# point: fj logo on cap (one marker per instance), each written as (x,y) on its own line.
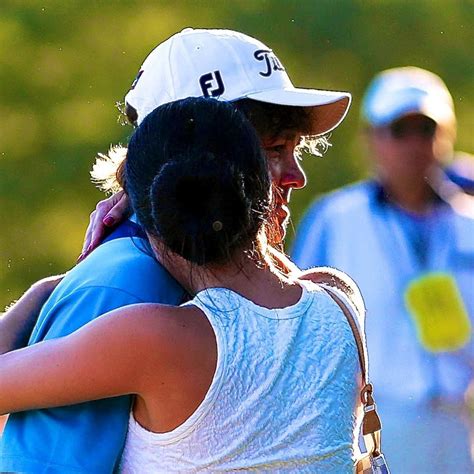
(272,63)
(212,84)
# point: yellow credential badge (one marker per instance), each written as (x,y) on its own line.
(437,308)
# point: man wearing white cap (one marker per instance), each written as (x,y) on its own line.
(222,64)
(412,254)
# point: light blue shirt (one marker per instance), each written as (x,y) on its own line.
(383,248)
(89,437)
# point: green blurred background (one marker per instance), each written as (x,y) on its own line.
(65,63)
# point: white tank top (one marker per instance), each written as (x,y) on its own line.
(282,398)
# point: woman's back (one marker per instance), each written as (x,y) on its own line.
(282,397)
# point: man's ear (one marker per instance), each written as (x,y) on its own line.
(131,114)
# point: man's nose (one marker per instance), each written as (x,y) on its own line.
(293,175)
(419,143)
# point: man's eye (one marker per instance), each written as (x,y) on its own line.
(276,149)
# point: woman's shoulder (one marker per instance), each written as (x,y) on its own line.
(165,341)
(173,329)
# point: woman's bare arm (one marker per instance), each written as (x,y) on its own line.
(140,349)
(98,361)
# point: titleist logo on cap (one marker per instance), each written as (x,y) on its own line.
(212,83)
(272,63)
(227,65)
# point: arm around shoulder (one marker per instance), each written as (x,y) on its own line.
(111,356)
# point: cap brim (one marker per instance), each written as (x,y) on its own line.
(398,105)
(328,107)
(441,115)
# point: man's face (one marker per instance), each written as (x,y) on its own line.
(404,150)
(285,171)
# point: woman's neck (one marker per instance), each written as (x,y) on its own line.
(256,281)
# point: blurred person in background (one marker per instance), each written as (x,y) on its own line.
(223,64)
(412,253)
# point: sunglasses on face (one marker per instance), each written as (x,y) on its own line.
(402,129)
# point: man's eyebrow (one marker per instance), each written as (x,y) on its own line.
(290,135)
(284,135)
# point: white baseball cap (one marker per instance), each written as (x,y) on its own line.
(229,66)
(398,92)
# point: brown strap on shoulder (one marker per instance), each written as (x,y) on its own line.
(355,331)
(371,424)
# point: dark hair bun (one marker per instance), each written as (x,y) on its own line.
(200,209)
(198,180)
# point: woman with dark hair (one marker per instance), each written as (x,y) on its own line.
(257,371)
